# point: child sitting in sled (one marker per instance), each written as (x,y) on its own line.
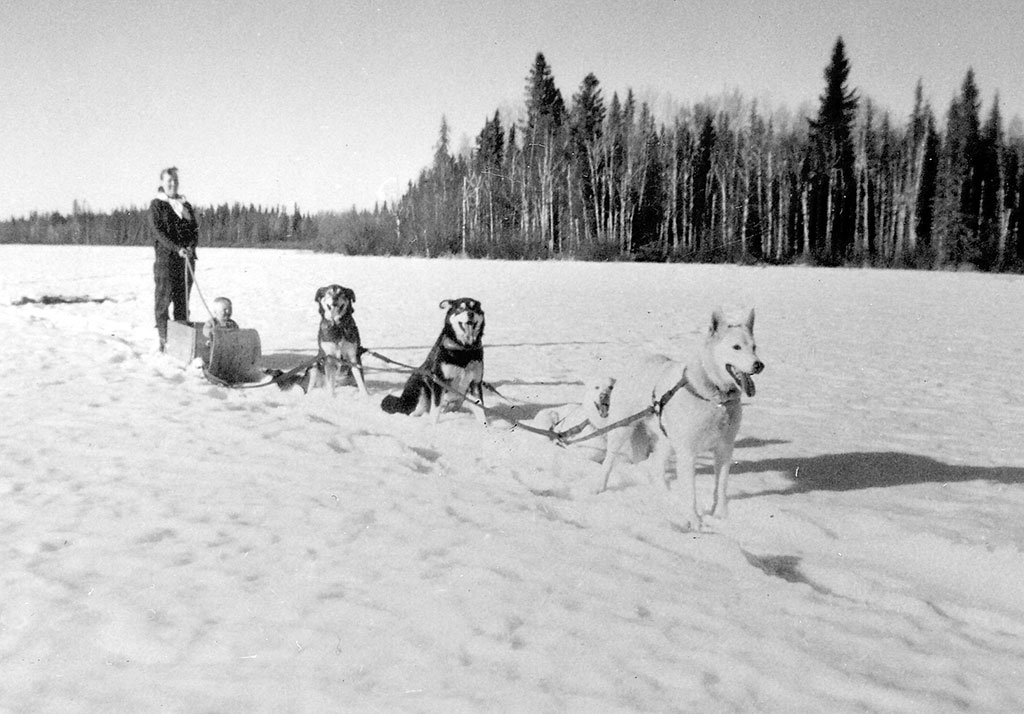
(221,318)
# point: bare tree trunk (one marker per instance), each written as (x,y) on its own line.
(829,216)
(726,223)
(772,245)
(806,211)
(745,214)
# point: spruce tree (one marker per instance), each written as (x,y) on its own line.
(586,120)
(544,151)
(956,200)
(545,108)
(991,199)
(831,164)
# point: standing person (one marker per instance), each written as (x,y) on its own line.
(177,234)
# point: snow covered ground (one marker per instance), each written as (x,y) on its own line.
(172,546)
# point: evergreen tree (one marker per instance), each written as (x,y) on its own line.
(586,119)
(490,201)
(545,109)
(991,199)
(703,187)
(956,200)
(831,166)
(544,151)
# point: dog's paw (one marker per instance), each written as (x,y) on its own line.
(691,523)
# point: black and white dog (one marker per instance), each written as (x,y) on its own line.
(455,366)
(338,338)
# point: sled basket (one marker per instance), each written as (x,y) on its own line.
(231,355)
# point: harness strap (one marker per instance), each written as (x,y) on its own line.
(656,407)
(574,430)
(683,383)
(659,404)
(605,429)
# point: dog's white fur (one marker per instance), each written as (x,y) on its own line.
(719,371)
(592,410)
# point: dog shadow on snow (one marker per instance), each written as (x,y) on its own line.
(850,472)
(860,470)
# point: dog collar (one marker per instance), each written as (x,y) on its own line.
(727,397)
(659,403)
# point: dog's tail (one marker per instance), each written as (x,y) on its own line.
(393,405)
(408,401)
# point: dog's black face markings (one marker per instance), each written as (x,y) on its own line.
(464,320)
(335,302)
(456,360)
(338,335)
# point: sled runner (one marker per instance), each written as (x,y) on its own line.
(230,357)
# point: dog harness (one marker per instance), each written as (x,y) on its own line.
(569,433)
(658,405)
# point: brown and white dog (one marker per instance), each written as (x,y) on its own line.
(338,338)
(454,367)
(700,409)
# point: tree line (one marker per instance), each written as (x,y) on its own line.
(598,179)
(604,180)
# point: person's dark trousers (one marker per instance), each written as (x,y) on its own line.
(169,276)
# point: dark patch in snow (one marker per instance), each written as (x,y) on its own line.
(59,300)
(752,442)
(337,448)
(426,454)
(786,567)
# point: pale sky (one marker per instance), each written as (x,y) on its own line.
(335,104)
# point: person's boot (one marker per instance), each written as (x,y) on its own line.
(162,334)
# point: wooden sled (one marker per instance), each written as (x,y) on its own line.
(230,358)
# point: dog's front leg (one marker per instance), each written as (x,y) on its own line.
(477,407)
(331,373)
(435,398)
(686,485)
(316,376)
(658,463)
(357,373)
(615,440)
(723,462)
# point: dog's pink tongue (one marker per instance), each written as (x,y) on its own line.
(748,385)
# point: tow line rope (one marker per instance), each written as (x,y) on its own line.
(560,438)
(656,407)
(190,273)
(402,367)
(516,424)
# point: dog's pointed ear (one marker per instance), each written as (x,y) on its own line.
(750,320)
(445,304)
(350,294)
(320,292)
(717,320)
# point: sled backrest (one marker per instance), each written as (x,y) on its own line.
(234,354)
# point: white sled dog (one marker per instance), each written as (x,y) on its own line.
(695,407)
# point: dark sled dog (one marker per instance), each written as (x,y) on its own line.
(454,367)
(338,338)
